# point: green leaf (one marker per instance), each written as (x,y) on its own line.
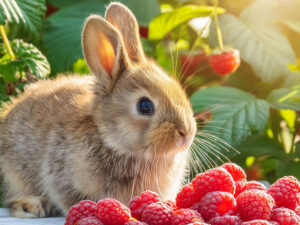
(261,45)
(80,67)
(285,98)
(62,33)
(165,22)
(28,59)
(235,114)
(143,10)
(23,16)
(62,30)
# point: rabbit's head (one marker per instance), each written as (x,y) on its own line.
(138,108)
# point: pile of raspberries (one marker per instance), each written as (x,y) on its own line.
(220,196)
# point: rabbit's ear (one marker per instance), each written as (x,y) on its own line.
(104,50)
(124,20)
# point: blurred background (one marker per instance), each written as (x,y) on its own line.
(238,60)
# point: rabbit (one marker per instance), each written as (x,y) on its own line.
(124,129)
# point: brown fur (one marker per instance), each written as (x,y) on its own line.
(76,138)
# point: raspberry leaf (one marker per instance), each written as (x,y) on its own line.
(23,16)
(235,114)
(285,98)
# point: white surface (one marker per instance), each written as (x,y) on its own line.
(6,219)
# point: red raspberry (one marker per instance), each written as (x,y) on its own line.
(285,216)
(226,220)
(217,204)
(158,214)
(196,207)
(286,192)
(171,204)
(187,197)
(217,179)
(186,216)
(89,221)
(135,223)
(239,186)
(237,173)
(257,222)
(198,223)
(254,185)
(255,204)
(225,62)
(112,212)
(297,210)
(81,210)
(139,203)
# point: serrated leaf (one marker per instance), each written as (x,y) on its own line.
(28,59)
(165,22)
(23,16)
(262,46)
(235,114)
(285,98)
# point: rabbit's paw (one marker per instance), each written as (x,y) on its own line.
(29,207)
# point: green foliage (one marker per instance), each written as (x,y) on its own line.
(285,98)
(236,115)
(62,30)
(25,17)
(257,113)
(28,59)
(164,23)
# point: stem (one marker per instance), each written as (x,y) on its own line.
(218,29)
(6,42)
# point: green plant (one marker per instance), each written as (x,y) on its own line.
(250,117)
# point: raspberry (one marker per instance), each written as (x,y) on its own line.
(81,210)
(254,185)
(112,212)
(236,171)
(217,179)
(226,220)
(196,207)
(239,186)
(257,222)
(135,223)
(217,204)
(285,216)
(255,204)
(226,62)
(286,192)
(171,204)
(197,223)
(297,210)
(158,214)
(139,203)
(187,197)
(186,216)
(89,221)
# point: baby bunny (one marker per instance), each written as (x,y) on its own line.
(124,130)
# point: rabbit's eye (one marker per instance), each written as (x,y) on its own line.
(145,106)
